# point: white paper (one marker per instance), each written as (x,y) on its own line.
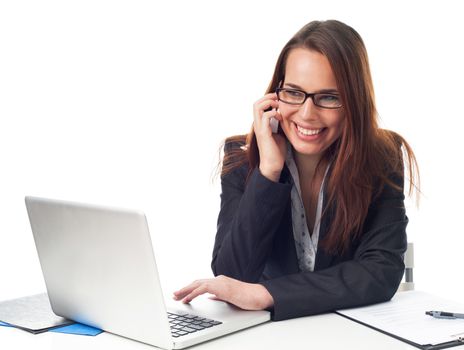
(404,316)
(32,313)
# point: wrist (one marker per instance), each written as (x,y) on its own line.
(271,174)
(265,298)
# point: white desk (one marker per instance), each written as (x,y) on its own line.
(328,331)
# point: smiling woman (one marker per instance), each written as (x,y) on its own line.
(312,218)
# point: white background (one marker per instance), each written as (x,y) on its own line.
(125,103)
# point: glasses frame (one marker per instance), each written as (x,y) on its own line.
(278,90)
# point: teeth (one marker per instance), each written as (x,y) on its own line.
(308,131)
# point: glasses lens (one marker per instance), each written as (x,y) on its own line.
(327,101)
(291,96)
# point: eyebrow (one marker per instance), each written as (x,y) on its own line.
(326,91)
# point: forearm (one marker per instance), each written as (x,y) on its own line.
(246,227)
(372,276)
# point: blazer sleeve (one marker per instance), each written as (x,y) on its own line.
(247,222)
(372,276)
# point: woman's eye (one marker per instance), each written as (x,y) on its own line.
(294,93)
(328,98)
(328,101)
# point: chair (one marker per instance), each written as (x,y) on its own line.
(408,283)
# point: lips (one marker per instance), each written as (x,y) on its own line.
(309,132)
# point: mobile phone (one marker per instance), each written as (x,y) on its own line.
(274,125)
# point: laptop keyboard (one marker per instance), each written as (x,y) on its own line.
(183,323)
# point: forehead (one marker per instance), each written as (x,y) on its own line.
(309,69)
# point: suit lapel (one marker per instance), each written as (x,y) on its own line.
(290,262)
(323,259)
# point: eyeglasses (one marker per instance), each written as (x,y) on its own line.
(298,97)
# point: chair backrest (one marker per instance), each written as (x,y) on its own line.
(408,283)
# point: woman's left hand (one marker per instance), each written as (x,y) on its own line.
(247,296)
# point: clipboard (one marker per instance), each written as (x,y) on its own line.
(404,318)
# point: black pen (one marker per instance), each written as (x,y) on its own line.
(443,314)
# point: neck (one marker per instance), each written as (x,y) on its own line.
(306,164)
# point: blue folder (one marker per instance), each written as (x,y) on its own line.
(75,328)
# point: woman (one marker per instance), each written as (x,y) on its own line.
(312,218)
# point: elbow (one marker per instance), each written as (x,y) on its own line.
(388,285)
(392,287)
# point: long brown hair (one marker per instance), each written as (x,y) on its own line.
(365,157)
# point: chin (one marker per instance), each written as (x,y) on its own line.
(308,151)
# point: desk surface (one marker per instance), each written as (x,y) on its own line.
(329,331)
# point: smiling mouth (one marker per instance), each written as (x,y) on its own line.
(309,132)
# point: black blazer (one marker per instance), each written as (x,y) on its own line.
(254,243)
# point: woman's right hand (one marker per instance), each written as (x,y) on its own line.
(272,147)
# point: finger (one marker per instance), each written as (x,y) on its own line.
(267,123)
(183,292)
(261,119)
(269,114)
(188,289)
(198,291)
(278,115)
(266,104)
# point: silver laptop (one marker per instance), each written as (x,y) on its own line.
(100,270)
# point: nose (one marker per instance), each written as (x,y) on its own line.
(308,109)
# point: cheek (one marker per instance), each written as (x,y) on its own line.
(286,111)
(339,124)
(334,118)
